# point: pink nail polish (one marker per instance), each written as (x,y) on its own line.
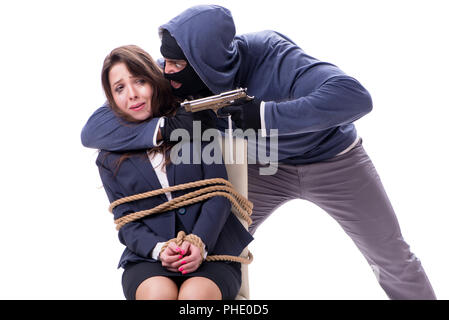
(184,272)
(183,252)
(183,262)
(181,269)
(180,257)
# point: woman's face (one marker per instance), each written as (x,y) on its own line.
(131,94)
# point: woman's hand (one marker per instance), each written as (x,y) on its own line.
(171,257)
(191,260)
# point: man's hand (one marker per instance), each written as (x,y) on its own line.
(245,116)
(184,120)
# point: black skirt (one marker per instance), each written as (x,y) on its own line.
(226,275)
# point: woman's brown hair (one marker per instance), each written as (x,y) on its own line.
(140,64)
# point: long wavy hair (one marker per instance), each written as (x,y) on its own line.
(140,64)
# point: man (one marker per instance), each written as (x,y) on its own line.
(312,105)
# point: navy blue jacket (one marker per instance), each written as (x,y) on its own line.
(211,220)
(311,103)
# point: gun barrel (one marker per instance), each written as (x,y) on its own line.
(215,102)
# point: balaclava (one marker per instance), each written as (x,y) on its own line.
(192,85)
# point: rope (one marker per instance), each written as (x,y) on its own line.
(242,205)
(243,208)
(195,240)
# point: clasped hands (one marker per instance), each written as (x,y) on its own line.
(185,258)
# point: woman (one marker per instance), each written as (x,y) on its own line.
(137,91)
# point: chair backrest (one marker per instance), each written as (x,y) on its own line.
(237,169)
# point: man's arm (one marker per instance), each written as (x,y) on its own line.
(299,94)
(104,130)
(340,100)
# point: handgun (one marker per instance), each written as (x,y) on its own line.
(218,101)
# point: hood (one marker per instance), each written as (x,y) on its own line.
(206,34)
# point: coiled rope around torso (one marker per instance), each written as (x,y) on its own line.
(221,187)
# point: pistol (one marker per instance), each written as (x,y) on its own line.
(218,101)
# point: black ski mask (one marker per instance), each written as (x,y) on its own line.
(192,85)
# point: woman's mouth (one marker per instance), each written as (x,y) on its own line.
(137,106)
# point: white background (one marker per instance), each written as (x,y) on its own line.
(57,238)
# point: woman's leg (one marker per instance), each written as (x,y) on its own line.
(157,288)
(199,288)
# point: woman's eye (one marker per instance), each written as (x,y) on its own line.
(140,81)
(118,89)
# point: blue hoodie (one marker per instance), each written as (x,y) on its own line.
(311,103)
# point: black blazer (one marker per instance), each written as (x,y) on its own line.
(211,220)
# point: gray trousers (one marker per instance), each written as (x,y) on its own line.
(349,189)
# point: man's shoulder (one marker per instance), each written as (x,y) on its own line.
(262,35)
(265,40)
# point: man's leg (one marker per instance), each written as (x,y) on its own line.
(269,192)
(349,189)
